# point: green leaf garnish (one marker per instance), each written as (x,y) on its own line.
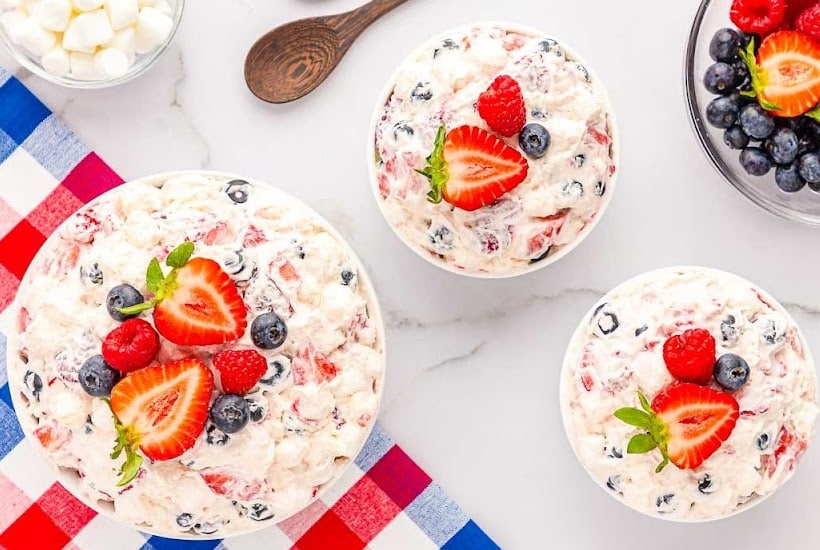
(814,113)
(128,440)
(137,308)
(759,76)
(436,170)
(154,276)
(656,435)
(180,255)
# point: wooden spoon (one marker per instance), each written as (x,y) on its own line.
(291,60)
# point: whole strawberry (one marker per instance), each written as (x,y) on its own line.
(690,356)
(502,106)
(239,370)
(808,22)
(131,346)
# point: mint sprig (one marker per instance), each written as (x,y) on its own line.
(436,170)
(759,76)
(814,113)
(656,433)
(128,441)
(160,284)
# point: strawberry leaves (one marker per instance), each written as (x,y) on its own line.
(160,284)
(436,170)
(759,76)
(127,441)
(656,433)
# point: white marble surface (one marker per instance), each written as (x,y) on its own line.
(474,364)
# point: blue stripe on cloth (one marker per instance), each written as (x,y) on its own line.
(7,146)
(471,537)
(4,76)
(55,147)
(4,377)
(10,432)
(375,448)
(436,514)
(20,111)
(161,543)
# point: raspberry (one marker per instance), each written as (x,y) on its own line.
(239,370)
(808,22)
(758,16)
(793,9)
(690,356)
(131,346)
(502,106)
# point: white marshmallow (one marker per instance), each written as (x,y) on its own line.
(125,40)
(87,5)
(82,66)
(153,27)
(31,6)
(12,22)
(122,12)
(111,63)
(164,7)
(56,62)
(144,3)
(35,38)
(10,3)
(87,31)
(54,15)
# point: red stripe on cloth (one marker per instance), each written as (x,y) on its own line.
(68,513)
(399,477)
(9,217)
(8,288)
(19,247)
(14,502)
(54,209)
(366,509)
(90,178)
(296,526)
(330,529)
(34,530)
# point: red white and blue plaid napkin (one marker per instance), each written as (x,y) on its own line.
(385,501)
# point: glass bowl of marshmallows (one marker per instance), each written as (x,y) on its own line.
(88,43)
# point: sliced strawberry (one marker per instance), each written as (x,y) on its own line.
(52,436)
(470,168)
(165,406)
(204,307)
(686,422)
(226,483)
(786,74)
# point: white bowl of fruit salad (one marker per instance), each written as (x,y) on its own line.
(752,79)
(493,150)
(688,394)
(196,354)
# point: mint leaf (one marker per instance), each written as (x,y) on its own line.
(645,404)
(436,170)
(634,417)
(137,308)
(180,255)
(641,443)
(663,464)
(814,113)
(127,441)
(154,276)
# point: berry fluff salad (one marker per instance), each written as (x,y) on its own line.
(199,355)
(688,394)
(493,150)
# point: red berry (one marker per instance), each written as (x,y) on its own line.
(502,106)
(793,9)
(239,370)
(131,346)
(690,357)
(808,22)
(758,16)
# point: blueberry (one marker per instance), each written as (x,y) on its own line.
(756,121)
(809,167)
(728,330)
(721,112)
(257,512)
(538,113)
(782,145)
(122,296)
(93,274)
(33,383)
(185,520)
(582,70)
(573,189)
(441,238)
(275,372)
(421,92)
(541,256)
(347,276)
(640,330)
(788,178)
(665,503)
(230,412)
(613,482)
(755,161)
(97,377)
(705,485)
(206,528)
(615,452)
(724,45)
(763,440)
(608,323)
(233,262)
(600,188)
(808,134)
(580,159)
(534,140)
(742,80)
(447,44)
(256,409)
(215,436)
(719,78)
(550,45)
(735,137)
(402,127)
(237,191)
(731,371)
(268,331)
(771,331)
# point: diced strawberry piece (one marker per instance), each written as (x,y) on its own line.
(253,236)
(787,75)
(758,16)
(325,370)
(229,485)
(166,405)
(214,234)
(548,230)
(309,365)
(23,319)
(239,370)
(204,308)
(501,105)
(52,436)
(288,272)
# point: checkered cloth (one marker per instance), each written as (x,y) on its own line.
(383,501)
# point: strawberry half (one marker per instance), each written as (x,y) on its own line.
(470,168)
(162,408)
(686,422)
(786,73)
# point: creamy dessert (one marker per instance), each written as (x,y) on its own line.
(493,149)
(231,330)
(688,394)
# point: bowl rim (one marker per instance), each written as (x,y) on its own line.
(696,122)
(385,93)
(139,67)
(69,480)
(565,382)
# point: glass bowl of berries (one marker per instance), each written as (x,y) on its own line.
(752,80)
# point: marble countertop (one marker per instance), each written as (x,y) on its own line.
(474,364)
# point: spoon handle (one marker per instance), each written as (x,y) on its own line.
(350,25)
